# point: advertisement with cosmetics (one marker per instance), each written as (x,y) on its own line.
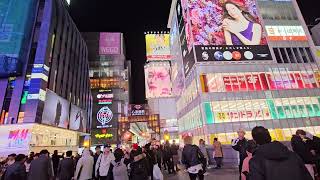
(158,82)
(226,30)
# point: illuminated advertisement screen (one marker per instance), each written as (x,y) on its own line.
(254,81)
(56,110)
(157,79)
(109,43)
(158,47)
(78,119)
(104,136)
(286,33)
(228,30)
(104,115)
(15,28)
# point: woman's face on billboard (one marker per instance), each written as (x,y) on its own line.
(233,11)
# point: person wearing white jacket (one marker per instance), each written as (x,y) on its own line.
(103,170)
(84,166)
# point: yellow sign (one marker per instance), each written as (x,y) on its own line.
(103,136)
(158,47)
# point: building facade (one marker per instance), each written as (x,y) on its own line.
(109,79)
(48,103)
(267,74)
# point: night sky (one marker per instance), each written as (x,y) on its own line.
(133,18)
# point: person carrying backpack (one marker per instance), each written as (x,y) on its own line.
(120,171)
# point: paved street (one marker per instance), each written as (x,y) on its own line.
(222,174)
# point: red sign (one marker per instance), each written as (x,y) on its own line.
(18,134)
(251,82)
(281,81)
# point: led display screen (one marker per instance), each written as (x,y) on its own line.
(56,110)
(15,28)
(78,119)
(158,47)
(109,43)
(228,30)
(158,82)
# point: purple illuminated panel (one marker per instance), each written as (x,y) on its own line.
(109,43)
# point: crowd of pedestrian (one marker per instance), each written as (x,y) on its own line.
(259,159)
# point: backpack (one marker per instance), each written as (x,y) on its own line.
(119,168)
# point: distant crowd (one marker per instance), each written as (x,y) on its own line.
(259,159)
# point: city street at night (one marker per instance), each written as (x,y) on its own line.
(159,90)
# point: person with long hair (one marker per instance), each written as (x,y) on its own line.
(240,27)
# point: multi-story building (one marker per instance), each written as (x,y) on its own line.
(109,79)
(46,101)
(241,64)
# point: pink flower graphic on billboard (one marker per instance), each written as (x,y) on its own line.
(109,43)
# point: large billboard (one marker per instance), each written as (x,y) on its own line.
(157,79)
(109,43)
(158,47)
(56,110)
(78,119)
(15,29)
(225,30)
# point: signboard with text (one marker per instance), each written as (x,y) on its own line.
(109,43)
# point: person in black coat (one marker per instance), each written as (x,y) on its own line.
(138,166)
(240,145)
(274,161)
(17,170)
(55,161)
(66,167)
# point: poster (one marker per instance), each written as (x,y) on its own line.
(158,82)
(56,110)
(109,43)
(78,119)
(226,30)
(158,47)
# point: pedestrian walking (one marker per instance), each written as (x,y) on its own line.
(158,153)
(84,166)
(218,153)
(151,159)
(55,161)
(120,171)
(138,167)
(299,143)
(175,155)
(96,156)
(274,161)
(168,157)
(17,170)
(251,147)
(192,158)
(203,149)
(41,168)
(103,166)
(240,145)
(66,167)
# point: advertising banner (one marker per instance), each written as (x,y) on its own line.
(104,115)
(226,30)
(158,82)
(158,47)
(109,43)
(15,139)
(286,33)
(16,25)
(242,115)
(187,54)
(137,110)
(78,119)
(104,136)
(56,110)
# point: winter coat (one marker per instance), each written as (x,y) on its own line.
(66,169)
(41,169)
(241,147)
(191,155)
(274,161)
(16,171)
(174,149)
(84,166)
(302,149)
(217,149)
(139,168)
(104,165)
